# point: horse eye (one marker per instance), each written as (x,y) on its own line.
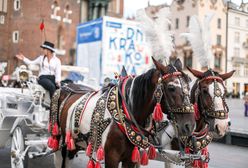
(205,91)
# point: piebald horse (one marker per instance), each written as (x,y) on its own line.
(103,121)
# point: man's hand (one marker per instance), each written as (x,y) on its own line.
(20,56)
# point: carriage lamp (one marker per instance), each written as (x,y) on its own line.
(23,75)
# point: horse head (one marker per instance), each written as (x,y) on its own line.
(175,100)
(209,93)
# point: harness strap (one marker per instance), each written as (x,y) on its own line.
(79,110)
(98,123)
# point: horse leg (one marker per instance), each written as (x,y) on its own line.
(63,153)
(129,164)
(112,159)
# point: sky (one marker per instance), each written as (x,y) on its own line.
(132,5)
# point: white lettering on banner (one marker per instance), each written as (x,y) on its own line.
(126,46)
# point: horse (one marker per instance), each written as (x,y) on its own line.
(211,111)
(111,124)
(211,114)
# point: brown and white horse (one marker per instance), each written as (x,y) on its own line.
(211,114)
(208,96)
(138,97)
(209,92)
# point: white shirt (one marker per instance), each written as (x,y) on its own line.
(47,68)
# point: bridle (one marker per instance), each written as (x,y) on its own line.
(210,111)
(160,91)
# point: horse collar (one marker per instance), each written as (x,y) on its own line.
(199,140)
(118,113)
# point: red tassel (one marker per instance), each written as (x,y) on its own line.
(71,145)
(205,152)
(88,150)
(197,113)
(55,144)
(157,113)
(144,159)
(196,164)
(152,152)
(91,164)
(187,150)
(67,136)
(100,153)
(55,129)
(50,142)
(135,155)
(98,165)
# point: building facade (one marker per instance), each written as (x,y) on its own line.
(20,29)
(93,9)
(181,11)
(237,57)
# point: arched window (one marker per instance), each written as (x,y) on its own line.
(17,5)
(55,8)
(15,36)
(67,13)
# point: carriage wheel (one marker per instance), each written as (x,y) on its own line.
(18,158)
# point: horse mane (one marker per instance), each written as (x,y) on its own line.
(193,90)
(142,90)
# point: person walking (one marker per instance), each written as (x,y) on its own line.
(50,67)
(246,104)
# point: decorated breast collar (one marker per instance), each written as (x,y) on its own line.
(117,112)
(199,141)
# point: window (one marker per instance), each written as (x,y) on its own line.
(237,21)
(67,14)
(217,60)
(177,23)
(15,36)
(17,5)
(55,9)
(236,37)
(3,6)
(218,40)
(219,23)
(188,59)
(188,19)
(236,52)
(2,19)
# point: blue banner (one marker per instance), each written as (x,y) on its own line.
(89,32)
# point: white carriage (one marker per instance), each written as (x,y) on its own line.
(24,115)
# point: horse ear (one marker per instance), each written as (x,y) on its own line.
(196,73)
(227,75)
(123,72)
(178,64)
(158,65)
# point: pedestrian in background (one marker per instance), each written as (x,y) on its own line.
(246,104)
(50,67)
